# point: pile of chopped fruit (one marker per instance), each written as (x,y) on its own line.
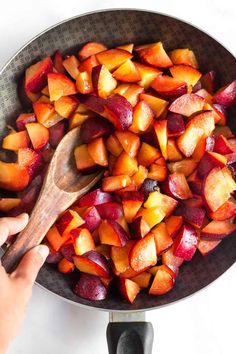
(157,126)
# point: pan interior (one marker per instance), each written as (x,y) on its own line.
(114,28)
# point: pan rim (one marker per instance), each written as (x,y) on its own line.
(48,29)
(103,309)
(2,68)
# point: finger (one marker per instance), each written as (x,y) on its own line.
(10,226)
(30,265)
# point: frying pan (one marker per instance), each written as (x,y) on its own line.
(127,331)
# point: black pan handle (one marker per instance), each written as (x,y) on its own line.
(130,337)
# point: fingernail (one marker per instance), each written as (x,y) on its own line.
(43,250)
(23,215)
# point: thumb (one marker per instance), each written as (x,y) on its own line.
(12,225)
(31,263)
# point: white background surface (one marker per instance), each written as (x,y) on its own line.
(204,323)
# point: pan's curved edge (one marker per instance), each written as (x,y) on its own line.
(90,307)
(105,10)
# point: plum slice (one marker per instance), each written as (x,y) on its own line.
(129,141)
(185,73)
(23,119)
(7,204)
(154,54)
(143,254)
(68,221)
(169,87)
(208,81)
(147,74)
(185,244)
(158,170)
(209,161)
(120,256)
(162,238)
(119,111)
(111,233)
(36,75)
(148,154)
(206,246)
(173,262)
(200,125)
(91,218)
(65,266)
(205,144)
(60,85)
(215,189)
(98,152)
(93,263)
(56,133)
(31,160)
(183,56)
(161,132)
(113,58)
(226,211)
(95,197)
(103,81)
(222,145)
(110,210)
(173,224)
(226,96)
(13,176)
(67,250)
(159,200)
(151,216)
(142,279)
(187,104)
(127,72)
(157,104)
(82,241)
(54,257)
(129,289)
(217,230)
(177,186)
(84,82)
(131,202)
(39,135)
(71,64)
(125,165)
(66,105)
(193,215)
(84,161)
(142,117)
(175,125)
(90,287)
(58,62)
(163,281)
(89,49)
(115,183)
(16,141)
(139,228)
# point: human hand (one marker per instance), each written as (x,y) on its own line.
(16,288)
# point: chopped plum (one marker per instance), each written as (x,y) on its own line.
(95,127)
(185,244)
(90,287)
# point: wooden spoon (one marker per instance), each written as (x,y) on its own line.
(62,186)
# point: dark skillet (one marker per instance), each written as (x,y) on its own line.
(113,28)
